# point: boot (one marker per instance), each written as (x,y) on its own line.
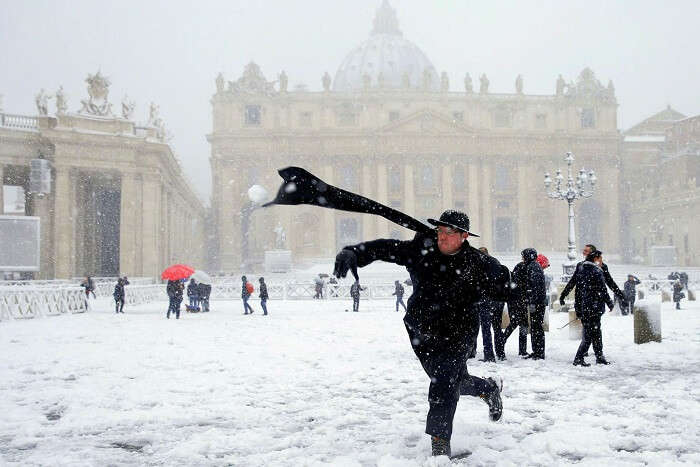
(581,362)
(493,399)
(602,361)
(440,447)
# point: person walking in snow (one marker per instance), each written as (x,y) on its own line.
(678,294)
(193,295)
(174,290)
(449,276)
(263,295)
(630,288)
(490,317)
(245,295)
(399,291)
(119,296)
(355,289)
(591,296)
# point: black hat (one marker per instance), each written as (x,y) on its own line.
(529,254)
(455,219)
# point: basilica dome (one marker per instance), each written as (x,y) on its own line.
(386,60)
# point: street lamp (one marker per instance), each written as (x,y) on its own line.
(570,191)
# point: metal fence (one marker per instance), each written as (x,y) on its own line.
(30,302)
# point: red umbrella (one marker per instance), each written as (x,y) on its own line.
(177,272)
(544,262)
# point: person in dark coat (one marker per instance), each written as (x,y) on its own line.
(449,277)
(89,285)
(193,295)
(355,289)
(678,294)
(399,291)
(630,288)
(490,317)
(683,276)
(203,291)
(530,298)
(174,290)
(587,250)
(517,309)
(119,296)
(263,295)
(591,296)
(245,295)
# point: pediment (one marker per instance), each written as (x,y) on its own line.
(426,121)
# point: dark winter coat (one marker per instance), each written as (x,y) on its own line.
(174,290)
(263,291)
(606,276)
(244,291)
(399,291)
(591,293)
(192,289)
(119,291)
(445,287)
(678,291)
(631,288)
(355,290)
(529,281)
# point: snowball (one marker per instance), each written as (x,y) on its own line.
(257,194)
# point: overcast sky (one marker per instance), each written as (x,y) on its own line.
(170,52)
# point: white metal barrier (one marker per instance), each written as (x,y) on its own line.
(30,302)
(307,290)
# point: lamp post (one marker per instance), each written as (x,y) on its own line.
(570,190)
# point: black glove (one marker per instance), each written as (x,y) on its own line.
(561,301)
(610,306)
(344,262)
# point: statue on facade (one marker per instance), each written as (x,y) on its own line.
(483,84)
(220,83)
(280,237)
(98,91)
(444,82)
(42,102)
(519,84)
(427,79)
(284,81)
(405,80)
(153,116)
(61,104)
(560,85)
(468,85)
(366,81)
(611,89)
(252,82)
(326,81)
(127,107)
(380,80)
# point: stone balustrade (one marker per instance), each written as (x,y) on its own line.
(23,122)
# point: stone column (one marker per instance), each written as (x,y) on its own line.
(447,198)
(327,228)
(63,224)
(43,208)
(382,197)
(368,223)
(127,226)
(473,194)
(409,195)
(486,222)
(229,222)
(613,225)
(150,232)
(2,184)
(526,205)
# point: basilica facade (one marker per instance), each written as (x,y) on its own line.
(392,128)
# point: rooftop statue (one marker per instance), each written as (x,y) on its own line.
(484,84)
(519,84)
(468,85)
(220,83)
(98,91)
(61,105)
(283,81)
(42,102)
(127,108)
(326,81)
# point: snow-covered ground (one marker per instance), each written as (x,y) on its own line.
(313,385)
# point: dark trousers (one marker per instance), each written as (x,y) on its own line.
(205,304)
(246,306)
(445,362)
(490,316)
(537,329)
(194,301)
(174,307)
(119,304)
(399,301)
(591,335)
(518,318)
(355,303)
(263,304)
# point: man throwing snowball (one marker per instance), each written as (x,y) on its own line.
(449,277)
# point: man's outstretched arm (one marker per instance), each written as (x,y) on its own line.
(356,256)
